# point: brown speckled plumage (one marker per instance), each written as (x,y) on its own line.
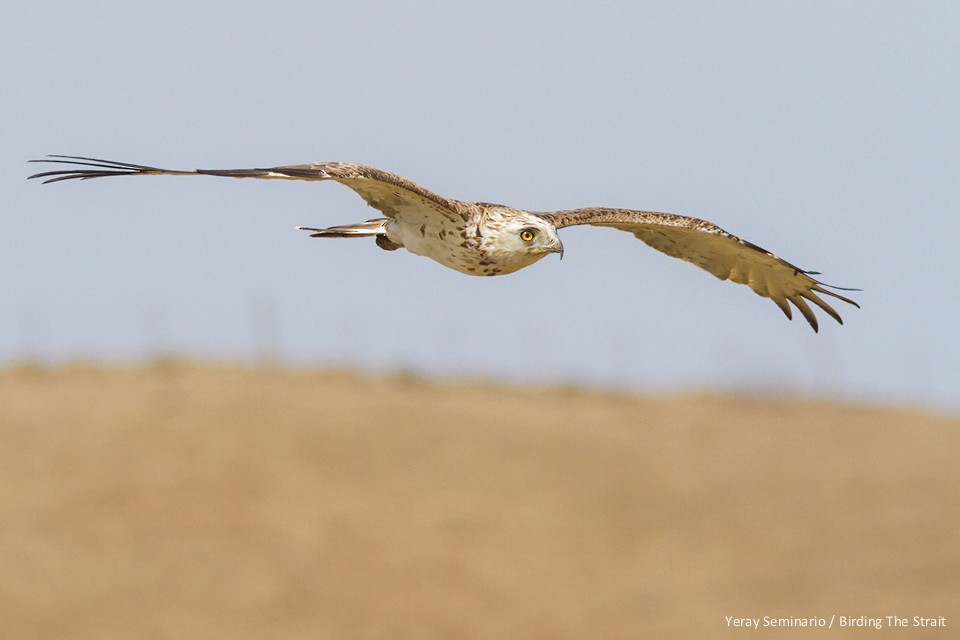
(481,238)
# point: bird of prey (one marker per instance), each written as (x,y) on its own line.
(484,239)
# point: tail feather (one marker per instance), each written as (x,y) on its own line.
(377,227)
(369,228)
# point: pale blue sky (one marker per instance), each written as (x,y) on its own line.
(825,132)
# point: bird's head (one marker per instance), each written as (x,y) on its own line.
(518,238)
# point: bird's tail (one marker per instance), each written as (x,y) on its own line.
(375,227)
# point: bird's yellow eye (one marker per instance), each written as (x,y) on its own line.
(526,235)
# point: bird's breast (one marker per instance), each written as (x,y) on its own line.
(453,244)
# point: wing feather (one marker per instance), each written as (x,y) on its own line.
(721,253)
(389,193)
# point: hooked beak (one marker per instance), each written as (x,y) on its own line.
(556,247)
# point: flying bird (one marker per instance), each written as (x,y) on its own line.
(484,239)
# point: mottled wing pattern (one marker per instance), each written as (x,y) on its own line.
(723,254)
(387,192)
(392,195)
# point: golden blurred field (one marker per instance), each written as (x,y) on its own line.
(187,501)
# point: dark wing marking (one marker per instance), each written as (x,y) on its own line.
(387,192)
(723,254)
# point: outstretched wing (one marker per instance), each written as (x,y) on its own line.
(713,249)
(387,192)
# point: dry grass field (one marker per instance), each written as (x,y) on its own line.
(186,501)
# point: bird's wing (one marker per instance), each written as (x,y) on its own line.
(387,192)
(713,249)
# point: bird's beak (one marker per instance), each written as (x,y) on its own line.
(556,247)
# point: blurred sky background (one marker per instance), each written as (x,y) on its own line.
(826,132)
